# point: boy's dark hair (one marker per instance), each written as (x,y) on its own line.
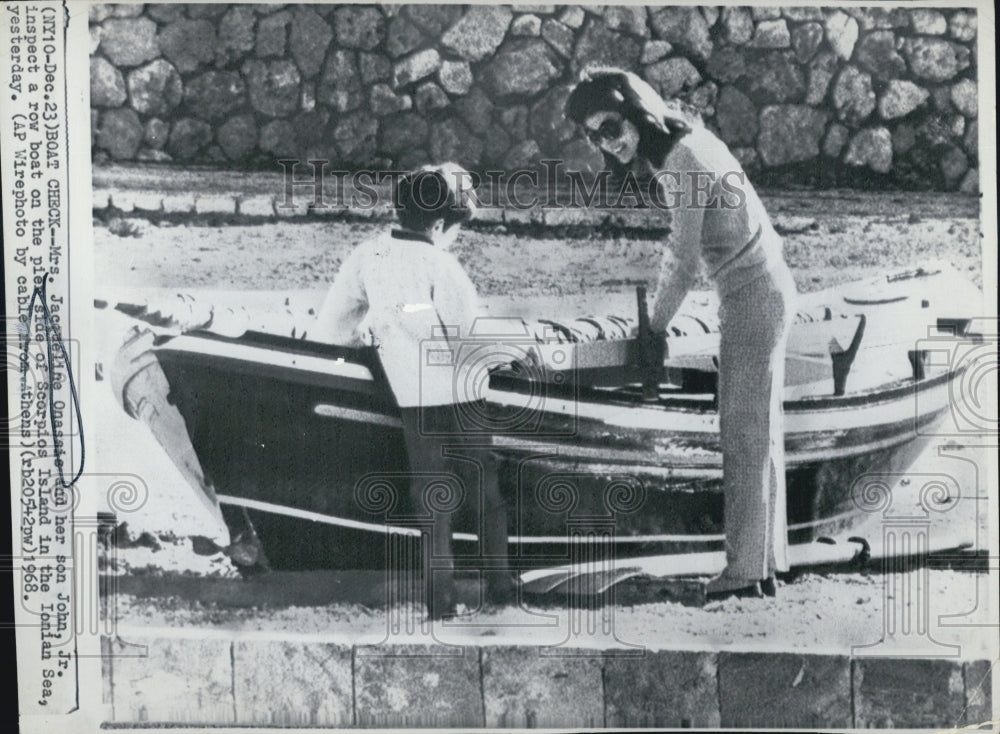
(426,195)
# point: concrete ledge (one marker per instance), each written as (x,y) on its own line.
(239,197)
(909,694)
(160,681)
(235,207)
(417,686)
(215,204)
(307,683)
(312,687)
(171,203)
(978,687)
(254,206)
(666,689)
(782,690)
(525,689)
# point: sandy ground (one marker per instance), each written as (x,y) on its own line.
(815,613)
(828,239)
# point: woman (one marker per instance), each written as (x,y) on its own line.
(720,219)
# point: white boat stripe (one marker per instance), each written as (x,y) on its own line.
(710,468)
(320,517)
(518,539)
(272,357)
(906,407)
(360,416)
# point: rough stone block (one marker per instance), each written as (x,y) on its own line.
(522,688)
(908,693)
(310,35)
(978,693)
(235,34)
(667,689)
(188,137)
(175,681)
(411,686)
(522,68)
(188,44)
(416,67)
(872,147)
(782,690)
(129,41)
(212,96)
(790,133)
(288,683)
(237,137)
(120,133)
(934,58)
(273,86)
(272,33)
(970,182)
(107,85)
(479,32)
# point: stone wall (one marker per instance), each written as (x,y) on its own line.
(803,95)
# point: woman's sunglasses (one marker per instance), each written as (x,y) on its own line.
(610,129)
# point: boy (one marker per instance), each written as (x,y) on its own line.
(395,291)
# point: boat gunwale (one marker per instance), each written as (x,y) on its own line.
(700,403)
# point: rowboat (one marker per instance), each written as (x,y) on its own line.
(297,446)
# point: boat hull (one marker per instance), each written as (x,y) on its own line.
(302,442)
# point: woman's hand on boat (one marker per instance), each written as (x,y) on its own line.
(654,354)
(656,345)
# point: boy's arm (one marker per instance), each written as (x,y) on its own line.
(455,297)
(343,307)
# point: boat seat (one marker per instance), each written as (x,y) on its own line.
(843,359)
(605,352)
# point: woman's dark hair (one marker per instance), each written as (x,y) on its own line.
(426,195)
(613,90)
